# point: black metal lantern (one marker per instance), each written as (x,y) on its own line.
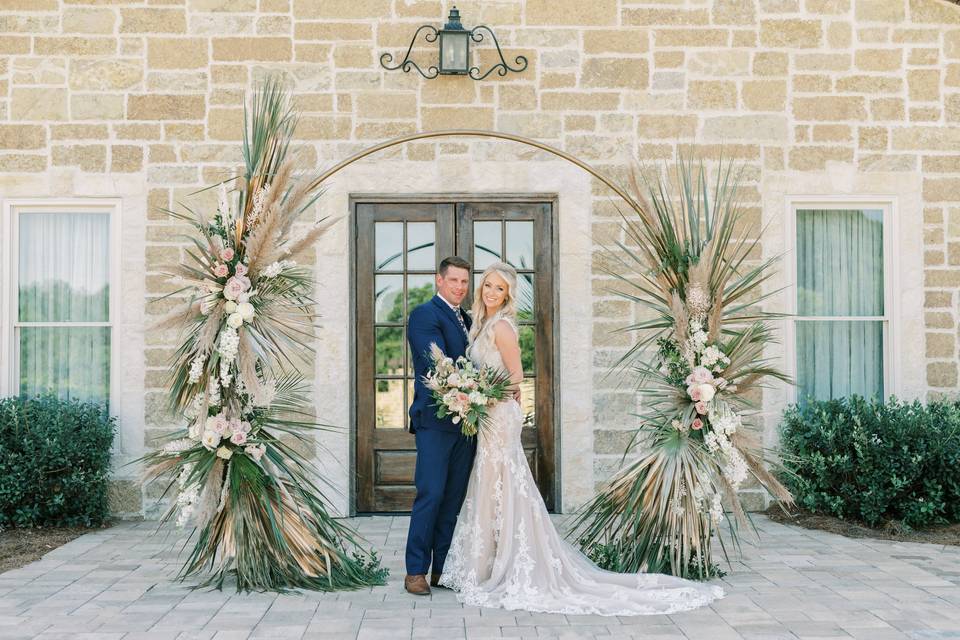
(454,46)
(454,51)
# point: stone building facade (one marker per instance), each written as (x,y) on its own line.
(137,104)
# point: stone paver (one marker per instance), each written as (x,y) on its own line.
(119,584)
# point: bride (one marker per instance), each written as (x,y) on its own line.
(505,550)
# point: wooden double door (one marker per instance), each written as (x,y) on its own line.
(398,248)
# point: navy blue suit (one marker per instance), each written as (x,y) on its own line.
(444,455)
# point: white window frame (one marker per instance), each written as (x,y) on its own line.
(887,204)
(9,345)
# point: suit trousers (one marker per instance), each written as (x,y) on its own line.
(444,460)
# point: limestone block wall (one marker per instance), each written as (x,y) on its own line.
(144,98)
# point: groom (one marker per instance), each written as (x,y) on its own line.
(444,455)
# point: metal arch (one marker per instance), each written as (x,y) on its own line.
(475,133)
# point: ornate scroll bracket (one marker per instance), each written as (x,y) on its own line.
(501,67)
(407,63)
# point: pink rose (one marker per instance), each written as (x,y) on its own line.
(245,426)
(235,287)
(226,254)
(238,437)
(697,424)
(221,424)
(701,408)
(240,269)
(694,392)
(701,375)
(220,270)
(463,398)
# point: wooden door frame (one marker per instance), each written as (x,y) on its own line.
(438,198)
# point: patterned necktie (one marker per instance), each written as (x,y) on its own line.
(456,312)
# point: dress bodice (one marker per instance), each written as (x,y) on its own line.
(483,351)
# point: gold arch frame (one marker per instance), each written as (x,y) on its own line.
(475,133)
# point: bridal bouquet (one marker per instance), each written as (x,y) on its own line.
(689,258)
(463,391)
(245,314)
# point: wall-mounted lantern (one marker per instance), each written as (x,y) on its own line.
(454,51)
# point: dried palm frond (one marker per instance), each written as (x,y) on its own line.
(649,517)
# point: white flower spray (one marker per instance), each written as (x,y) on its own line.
(196,368)
(187,497)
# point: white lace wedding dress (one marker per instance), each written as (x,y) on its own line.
(507,553)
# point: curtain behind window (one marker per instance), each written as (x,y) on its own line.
(63,279)
(839,273)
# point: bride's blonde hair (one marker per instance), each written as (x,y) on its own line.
(509,306)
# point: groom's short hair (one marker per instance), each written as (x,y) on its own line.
(453,261)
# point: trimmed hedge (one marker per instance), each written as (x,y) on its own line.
(54,462)
(875,462)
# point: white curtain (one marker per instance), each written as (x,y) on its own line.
(839,274)
(63,279)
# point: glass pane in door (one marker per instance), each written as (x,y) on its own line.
(388,298)
(389,403)
(420,288)
(421,246)
(487,243)
(388,246)
(520,244)
(390,346)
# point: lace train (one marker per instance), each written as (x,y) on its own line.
(507,553)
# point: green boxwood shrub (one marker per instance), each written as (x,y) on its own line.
(54,462)
(875,462)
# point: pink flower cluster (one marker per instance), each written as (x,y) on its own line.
(222,269)
(702,387)
(234,428)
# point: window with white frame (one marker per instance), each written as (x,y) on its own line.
(61,298)
(841,326)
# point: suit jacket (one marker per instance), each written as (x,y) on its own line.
(432,322)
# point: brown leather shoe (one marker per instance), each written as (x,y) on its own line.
(417,585)
(435,580)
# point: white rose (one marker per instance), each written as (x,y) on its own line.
(234,320)
(707,392)
(224,452)
(210,439)
(245,309)
(229,306)
(255,451)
